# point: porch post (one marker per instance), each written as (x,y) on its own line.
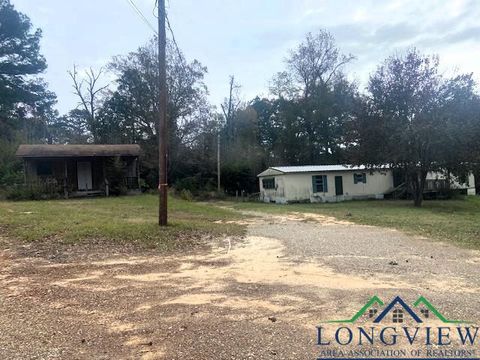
(105,181)
(138,174)
(65,179)
(25,171)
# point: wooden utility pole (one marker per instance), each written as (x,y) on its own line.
(218,161)
(162,116)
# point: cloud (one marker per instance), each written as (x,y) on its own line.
(469,34)
(250,38)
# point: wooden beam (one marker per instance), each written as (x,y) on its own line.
(65,179)
(138,173)
(105,181)
(25,171)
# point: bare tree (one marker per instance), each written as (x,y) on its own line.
(231,104)
(316,61)
(88,91)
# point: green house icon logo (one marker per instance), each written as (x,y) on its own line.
(398,310)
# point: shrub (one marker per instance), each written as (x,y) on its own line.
(114,171)
(30,192)
(186,195)
(211,195)
(191,183)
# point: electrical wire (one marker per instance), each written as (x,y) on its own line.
(155,8)
(169,28)
(173,38)
(140,14)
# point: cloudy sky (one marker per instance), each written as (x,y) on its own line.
(250,38)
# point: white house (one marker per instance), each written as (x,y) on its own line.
(332,183)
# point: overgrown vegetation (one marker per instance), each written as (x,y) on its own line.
(19,192)
(131,219)
(411,116)
(455,221)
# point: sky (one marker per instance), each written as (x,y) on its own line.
(251,38)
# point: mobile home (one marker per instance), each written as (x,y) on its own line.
(332,183)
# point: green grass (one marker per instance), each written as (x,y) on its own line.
(130,219)
(133,219)
(456,221)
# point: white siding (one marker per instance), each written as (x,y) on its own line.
(298,187)
(469,185)
(274,195)
(293,187)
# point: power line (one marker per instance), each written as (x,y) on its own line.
(179,52)
(173,38)
(155,9)
(140,14)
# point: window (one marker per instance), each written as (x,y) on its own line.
(425,313)
(268,183)
(319,183)
(44,168)
(360,178)
(397,316)
(372,313)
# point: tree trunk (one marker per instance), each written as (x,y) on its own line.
(418,199)
(417,179)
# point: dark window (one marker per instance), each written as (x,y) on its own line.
(360,178)
(44,168)
(425,312)
(268,183)
(372,313)
(319,183)
(397,316)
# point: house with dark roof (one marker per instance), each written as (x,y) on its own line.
(81,170)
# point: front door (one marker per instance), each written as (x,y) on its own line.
(84,175)
(338,185)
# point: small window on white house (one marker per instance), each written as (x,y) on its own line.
(360,178)
(268,183)
(319,183)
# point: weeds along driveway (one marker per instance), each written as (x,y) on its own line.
(260,297)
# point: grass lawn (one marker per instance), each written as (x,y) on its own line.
(455,221)
(130,219)
(133,219)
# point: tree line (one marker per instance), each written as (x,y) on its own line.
(410,116)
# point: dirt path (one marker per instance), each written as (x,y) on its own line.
(255,298)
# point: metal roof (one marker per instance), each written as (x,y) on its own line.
(309,169)
(40,151)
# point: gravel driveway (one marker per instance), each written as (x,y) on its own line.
(260,297)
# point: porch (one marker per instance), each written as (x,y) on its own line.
(81,170)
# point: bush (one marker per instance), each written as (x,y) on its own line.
(238,177)
(29,192)
(186,195)
(144,185)
(11,168)
(114,170)
(191,183)
(211,195)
